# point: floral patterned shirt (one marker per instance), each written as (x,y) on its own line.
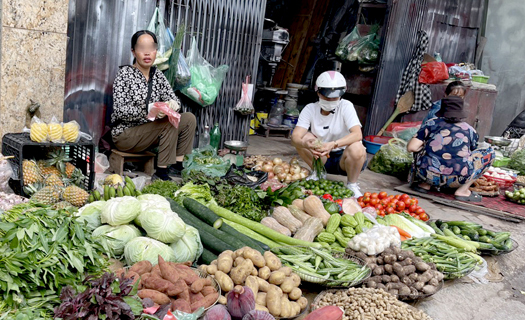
(447,147)
(130,90)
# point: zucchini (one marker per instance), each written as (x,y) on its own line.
(207,257)
(456,230)
(213,239)
(482,232)
(202,212)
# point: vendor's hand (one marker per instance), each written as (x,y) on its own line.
(160,115)
(174,105)
(326,148)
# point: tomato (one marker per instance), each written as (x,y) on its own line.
(417,217)
(400,206)
(394,201)
(419,211)
(360,199)
(362,204)
(412,202)
(380,207)
(381,213)
(367,194)
(424,216)
(366,199)
(382,195)
(390,210)
(374,201)
(412,208)
(373,196)
(417,201)
(404,197)
(397,196)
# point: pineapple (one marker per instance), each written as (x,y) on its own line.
(75,195)
(46,170)
(38,132)
(61,205)
(58,158)
(30,172)
(77,177)
(71,131)
(53,180)
(69,169)
(55,131)
(47,195)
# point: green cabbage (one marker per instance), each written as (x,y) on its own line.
(189,247)
(517,161)
(90,214)
(119,211)
(119,235)
(162,224)
(144,248)
(151,201)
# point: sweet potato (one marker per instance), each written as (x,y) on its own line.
(157,297)
(119,273)
(199,284)
(132,275)
(141,267)
(208,290)
(182,305)
(156,283)
(194,297)
(186,273)
(167,271)
(156,271)
(206,302)
(185,294)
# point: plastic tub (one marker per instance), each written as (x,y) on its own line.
(373,143)
(480,79)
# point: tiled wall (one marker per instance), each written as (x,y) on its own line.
(32,59)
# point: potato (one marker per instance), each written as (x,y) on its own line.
(211,269)
(214,263)
(295,294)
(274,287)
(238,261)
(255,272)
(296,309)
(224,281)
(286,308)
(302,302)
(252,283)
(261,299)
(239,273)
(286,270)
(272,261)
(264,273)
(225,261)
(238,253)
(296,279)
(277,277)
(261,308)
(288,285)
(273,302)
(222,300)
(264,286)
(254,255)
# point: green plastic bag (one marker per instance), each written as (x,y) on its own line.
(348,41)
(392,159)
(206,80)
(205,160)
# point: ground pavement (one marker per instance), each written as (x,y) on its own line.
(503,297)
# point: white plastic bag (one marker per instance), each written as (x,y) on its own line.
(245,106)
(6,172)
(101,163)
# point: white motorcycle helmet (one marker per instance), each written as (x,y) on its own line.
(331,84)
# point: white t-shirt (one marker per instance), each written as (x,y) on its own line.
(331,127)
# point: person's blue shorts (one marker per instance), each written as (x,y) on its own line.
(332,164)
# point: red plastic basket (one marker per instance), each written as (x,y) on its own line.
(502,183)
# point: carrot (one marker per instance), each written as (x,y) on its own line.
(403,238)
(402,232)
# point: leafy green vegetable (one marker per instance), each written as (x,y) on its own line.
(163,188)
(117,236)
(144,248)
(392,159)
(90,213)
(517,161)
(119,211)
(189,247)
(200,193)
(162,224)
(42,250)
(242,200)
(283,196)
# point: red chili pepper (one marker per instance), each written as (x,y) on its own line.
(328,196)
(339,201)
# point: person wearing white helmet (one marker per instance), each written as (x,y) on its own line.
(333,121)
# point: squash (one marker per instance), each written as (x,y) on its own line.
(310,229)
(298,203)
(276,226)
(284,217)
(314,207)
(298,213)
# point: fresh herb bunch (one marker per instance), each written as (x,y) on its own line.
(163,188)
(42,250)
(199,177)
(283,196)
(242,200)
(107,297)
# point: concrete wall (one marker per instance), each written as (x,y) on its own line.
(503,59)
(32,59)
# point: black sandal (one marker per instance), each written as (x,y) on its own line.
(417,188)
(474,197)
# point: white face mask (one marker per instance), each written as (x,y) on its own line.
(328,105)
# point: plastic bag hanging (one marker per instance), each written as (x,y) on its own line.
(206,80)
(178,74)
(158,27)
(245,106)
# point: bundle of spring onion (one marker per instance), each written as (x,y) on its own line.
(450,260)
(322,267)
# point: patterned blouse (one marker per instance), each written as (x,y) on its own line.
(130,90)
(447,147)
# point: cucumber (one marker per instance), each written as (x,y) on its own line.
(215,240)
(203,213)
(456,230)
(207,257)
